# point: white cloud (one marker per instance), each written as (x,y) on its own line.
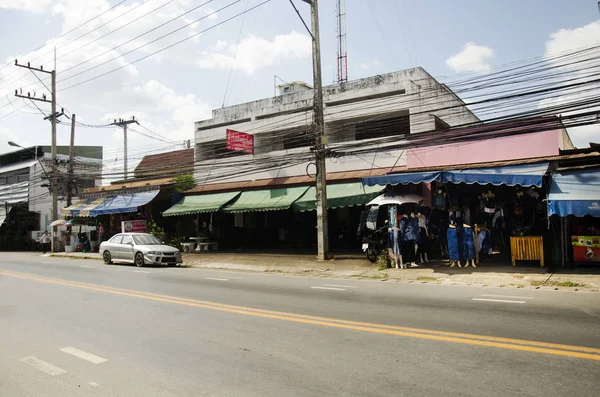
(580,68)
(35,6)
(472,58)
(368,64)
(255,52)
(566,40)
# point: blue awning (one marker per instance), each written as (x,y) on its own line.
(110,205)
(575,193)
(403,178)
(511,175)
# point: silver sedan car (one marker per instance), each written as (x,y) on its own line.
(140,249)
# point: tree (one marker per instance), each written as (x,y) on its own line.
(183,182)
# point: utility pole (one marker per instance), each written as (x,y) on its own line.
(123,124)
(320,138)
(52,117)
(71,159)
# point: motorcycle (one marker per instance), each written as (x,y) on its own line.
(375,242)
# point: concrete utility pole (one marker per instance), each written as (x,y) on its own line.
(52,117)
(320,138)
(124,123)
(71,159)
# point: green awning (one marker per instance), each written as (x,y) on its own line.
(339,196)
(202,203)
(266,200)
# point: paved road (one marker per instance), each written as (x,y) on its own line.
(81,328)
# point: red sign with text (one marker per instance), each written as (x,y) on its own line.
(240,142)
(133,227)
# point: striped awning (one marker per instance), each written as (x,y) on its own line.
(118,204)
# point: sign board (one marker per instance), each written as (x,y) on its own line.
(239,142)
(133,227)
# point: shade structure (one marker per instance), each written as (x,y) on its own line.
(266,200)
(403,178)
(338,196)
(11,195)
(201,204)
(58,222)
(510,175)
(575,192)
(117,204)
(398,199)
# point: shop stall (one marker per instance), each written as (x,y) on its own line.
(502,206)
(575,198)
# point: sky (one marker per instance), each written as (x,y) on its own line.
(214,61)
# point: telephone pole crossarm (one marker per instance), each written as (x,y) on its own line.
(123,124)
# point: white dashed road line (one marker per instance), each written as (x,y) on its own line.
(92,358)
(141,271)
(43,366)
(330,288)
(340,286)
(508,296)
(216,279)
(88,266)
(496,300)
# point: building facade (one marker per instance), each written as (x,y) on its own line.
(393,105)
(25,195)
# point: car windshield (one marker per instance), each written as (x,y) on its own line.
(146,239)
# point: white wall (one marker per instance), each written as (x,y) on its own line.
(413,91)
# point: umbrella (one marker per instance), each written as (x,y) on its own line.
(75,222)
(58,222)
(398,199)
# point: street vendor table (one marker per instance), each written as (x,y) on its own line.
(527,248)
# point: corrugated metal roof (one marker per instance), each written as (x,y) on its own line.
(17,166)
(507,162)
(179,160)
(14,193)
(286,181)
(131,185)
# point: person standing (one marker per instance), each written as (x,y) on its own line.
(45,241)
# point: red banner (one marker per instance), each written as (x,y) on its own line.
(240,142)
(133,227)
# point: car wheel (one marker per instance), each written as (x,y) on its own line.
(107,257)
(139,259)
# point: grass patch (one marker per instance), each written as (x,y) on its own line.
(427,278)
(569,284)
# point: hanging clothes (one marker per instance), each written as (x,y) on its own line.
(452,241)
(485,242)
(392,216)
(424,245)
(412,229)
(371,222)
(467,215)
(441,201)
(408,251)
(394,232)
(456,216)
(467,239)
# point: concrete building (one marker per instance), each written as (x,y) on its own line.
(390,105)
(25,198)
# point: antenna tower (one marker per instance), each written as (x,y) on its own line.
(340,28)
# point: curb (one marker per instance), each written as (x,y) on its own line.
(74,257)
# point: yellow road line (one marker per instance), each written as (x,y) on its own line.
(470,339)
